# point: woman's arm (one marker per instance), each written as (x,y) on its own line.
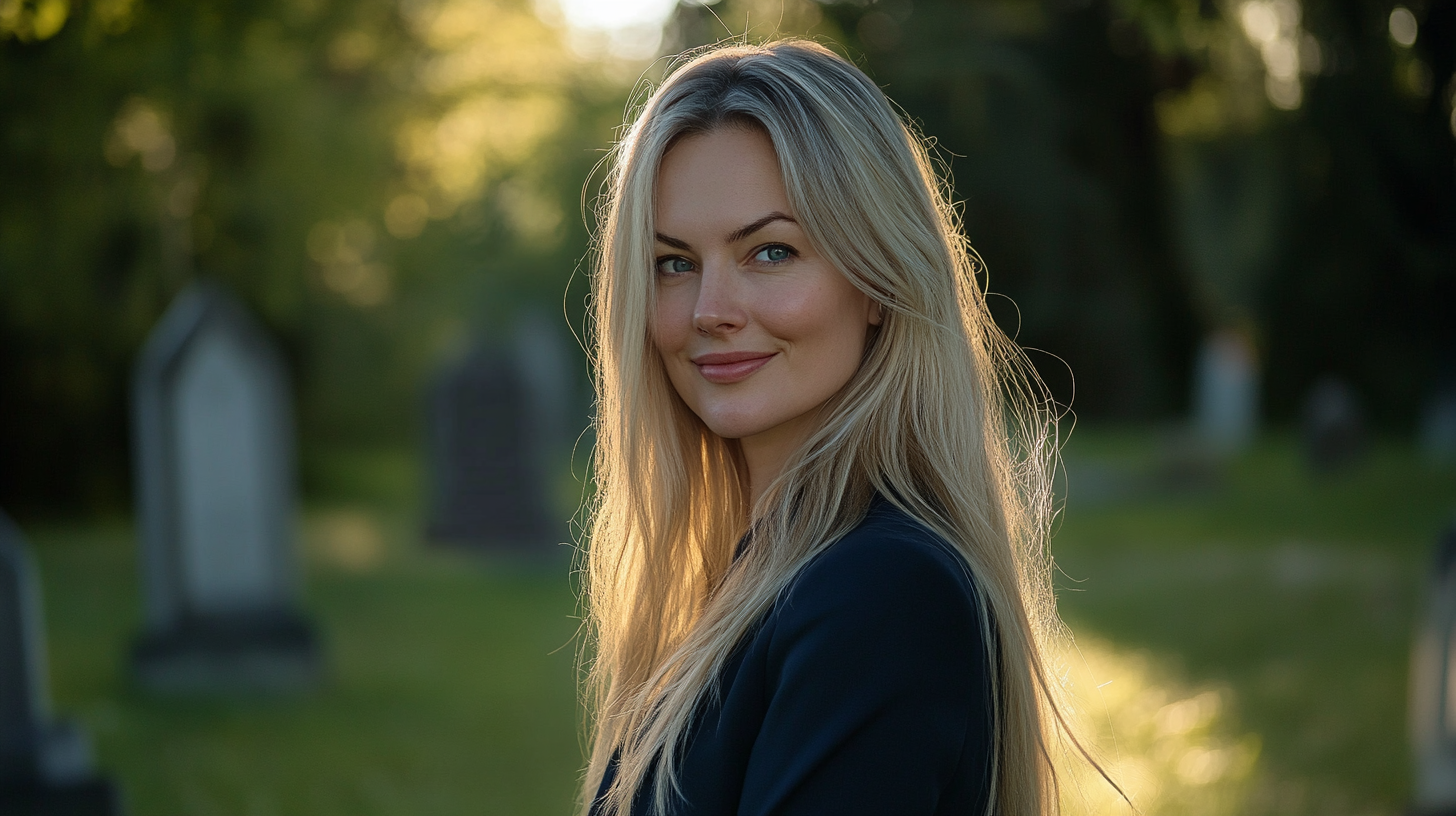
(878,685)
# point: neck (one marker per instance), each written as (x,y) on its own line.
(765,453)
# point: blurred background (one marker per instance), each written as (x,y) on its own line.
(1226,230)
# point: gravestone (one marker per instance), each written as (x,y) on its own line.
(1438,427)
(213,438)
(498,438)
(1226,393)
(1433,690)
(1333,425)
(45,765)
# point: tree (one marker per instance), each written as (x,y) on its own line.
(373,178)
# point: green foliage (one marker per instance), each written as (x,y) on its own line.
(383,181)
(380,181)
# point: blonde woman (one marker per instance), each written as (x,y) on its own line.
(816,581)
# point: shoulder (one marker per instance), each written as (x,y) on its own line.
(890,555)
(877,681)
(891,575)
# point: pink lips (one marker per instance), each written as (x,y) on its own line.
(731,367)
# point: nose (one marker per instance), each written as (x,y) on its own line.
(720,309)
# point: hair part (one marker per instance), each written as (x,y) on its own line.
(945,418)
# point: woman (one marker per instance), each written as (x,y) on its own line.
(816,580)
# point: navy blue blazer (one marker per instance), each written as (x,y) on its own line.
(864,690)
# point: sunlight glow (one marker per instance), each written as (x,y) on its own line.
(1272,26)
(1172,748)
(610,14)
(621,29)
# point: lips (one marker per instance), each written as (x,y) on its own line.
(731,367)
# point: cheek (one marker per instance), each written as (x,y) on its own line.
(665,324)
(826,318)
(796,314)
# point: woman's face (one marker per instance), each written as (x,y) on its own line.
(755,327)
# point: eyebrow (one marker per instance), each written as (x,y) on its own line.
(673,242)
(738,235)
(734,236)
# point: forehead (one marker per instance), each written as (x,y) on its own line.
(718,180)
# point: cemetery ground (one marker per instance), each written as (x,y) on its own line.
(1244,631)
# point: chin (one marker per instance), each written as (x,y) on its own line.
(734,425)
(731,430)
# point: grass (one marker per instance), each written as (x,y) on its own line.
(450,688)
(1249,629)
(1292,595)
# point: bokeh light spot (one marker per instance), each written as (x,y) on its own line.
(406,215)
(1403,26)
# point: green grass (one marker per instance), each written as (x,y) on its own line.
(1295,594)
(450,688)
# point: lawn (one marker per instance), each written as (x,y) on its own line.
(1286,598)
(1243,631)
(450,687)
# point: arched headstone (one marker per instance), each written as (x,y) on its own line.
(1438,426)
(45,765)
(498,436)
(1333,425)
(1433,690)
(1226,392)
(213,436)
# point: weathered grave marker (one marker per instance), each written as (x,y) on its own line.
(1334,425)
(213,435)
(1226,393)
(1433,690)
(498,436)
(45,765)
(545,364)
(1438,426)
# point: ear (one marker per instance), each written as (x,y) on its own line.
(874,311)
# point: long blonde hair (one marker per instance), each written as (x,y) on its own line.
(944,418)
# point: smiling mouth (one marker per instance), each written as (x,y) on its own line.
(723,369)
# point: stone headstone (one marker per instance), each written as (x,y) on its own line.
(498,438)
(1438,427)
(1433,689)
(1226,393)
(213,439)
(1333,425)
(45,765)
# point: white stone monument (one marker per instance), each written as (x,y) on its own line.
(1226,393)
(45,765)
(1433,690)
(213,447)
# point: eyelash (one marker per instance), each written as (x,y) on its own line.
(666,258)
(767,247)
(792,254)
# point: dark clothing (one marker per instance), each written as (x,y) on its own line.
(864,690)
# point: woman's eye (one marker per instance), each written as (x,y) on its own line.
(674,266)
(774,254)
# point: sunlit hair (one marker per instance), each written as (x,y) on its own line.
(942,418)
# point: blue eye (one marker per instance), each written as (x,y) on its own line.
(774,253)
(674,265)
